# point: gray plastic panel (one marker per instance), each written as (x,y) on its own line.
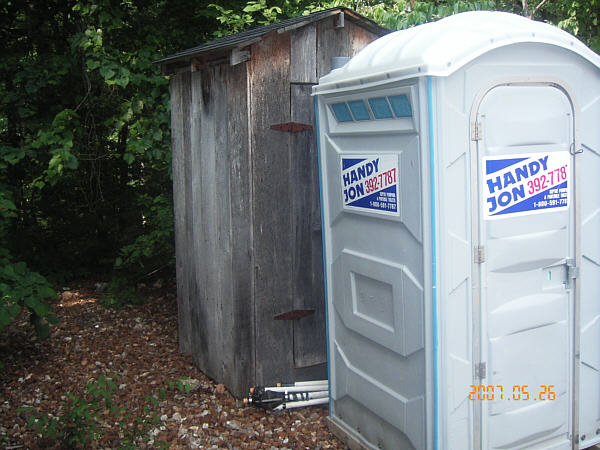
(375,273)
(381,368)
(455,96)
(589,89)
(402,413)
(381,300)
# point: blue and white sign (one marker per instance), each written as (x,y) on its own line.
(370,183)
(518,185)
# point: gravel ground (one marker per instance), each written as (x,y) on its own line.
(137,344)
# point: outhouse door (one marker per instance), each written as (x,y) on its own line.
(524,253)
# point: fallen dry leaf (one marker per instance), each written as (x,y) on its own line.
(90,341)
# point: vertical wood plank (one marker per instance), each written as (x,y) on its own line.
(303,54)
(359,38)
(220,267)
(205,310)
(309,332)
(190,209)
(331,42)
(346,41)
(219,190)
(180,139)
(196,245)
(273,244)
(239,343)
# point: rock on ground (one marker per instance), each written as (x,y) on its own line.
(139,345)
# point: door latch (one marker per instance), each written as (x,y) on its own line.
(574,152)
(567,269)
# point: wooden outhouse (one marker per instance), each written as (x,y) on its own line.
(246,194)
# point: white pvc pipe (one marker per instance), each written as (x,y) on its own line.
(304,383)
(304,388)
(302,404)
(306,395)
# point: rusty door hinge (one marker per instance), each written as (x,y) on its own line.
(294,314)
(291,127)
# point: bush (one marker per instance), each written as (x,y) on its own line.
(79,426)
(120,293)
(21,288)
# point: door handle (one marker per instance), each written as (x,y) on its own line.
(574,152)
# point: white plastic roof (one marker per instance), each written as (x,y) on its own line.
(442,47)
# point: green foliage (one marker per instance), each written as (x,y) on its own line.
(57,139)
(395,14)
(120,293)
(21,288)
(153,248)
(255,12)
(79,425)
(140,425)
(402,14)
(580,18)
(84,132)
(183,385)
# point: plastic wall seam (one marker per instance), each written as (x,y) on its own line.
(433,263)
(322,195)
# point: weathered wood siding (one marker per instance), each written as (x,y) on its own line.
(248,226)
(240,371)
(212,197)
(269,72)
(180,143)
(332,41)
(303,55)
(307,265)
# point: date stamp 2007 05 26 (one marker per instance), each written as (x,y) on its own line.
(521,392)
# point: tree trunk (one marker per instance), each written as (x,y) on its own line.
(526,12)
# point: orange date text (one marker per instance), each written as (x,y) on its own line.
(523,392)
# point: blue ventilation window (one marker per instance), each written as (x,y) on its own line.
(341,112)
(401,105)
(380,108)
(359,110)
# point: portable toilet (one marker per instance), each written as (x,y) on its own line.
(460,165)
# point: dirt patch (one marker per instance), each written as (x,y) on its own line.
(139,345)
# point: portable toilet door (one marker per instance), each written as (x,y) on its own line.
(462,294)
(526,164)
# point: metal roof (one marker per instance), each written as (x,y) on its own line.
(440,48)
(247,37)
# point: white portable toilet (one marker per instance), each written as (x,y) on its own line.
(460,177)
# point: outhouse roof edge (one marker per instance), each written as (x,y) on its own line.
(443,47)
(248,37)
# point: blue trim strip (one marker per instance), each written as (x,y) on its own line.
(321,196)
(433,264)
